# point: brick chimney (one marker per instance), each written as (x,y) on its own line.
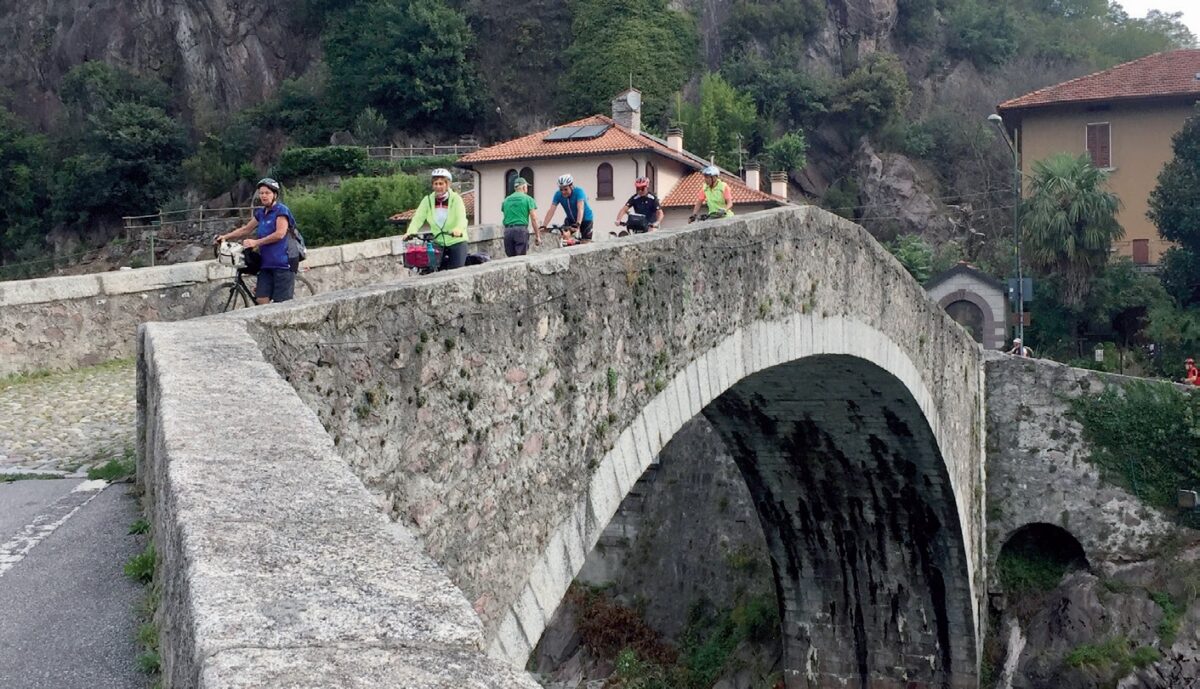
(627,110)
(675,139)
(752,176)
(779,184)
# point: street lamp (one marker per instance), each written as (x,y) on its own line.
(999,122)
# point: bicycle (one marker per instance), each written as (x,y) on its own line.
(634,223)
(568,235)
(714,215)
(228,296)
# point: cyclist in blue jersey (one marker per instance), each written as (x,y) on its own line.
(270,224)
(574,202)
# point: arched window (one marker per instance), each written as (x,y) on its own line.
(527,173)
(652,175)
(604,181)
(509,178)
(969,316)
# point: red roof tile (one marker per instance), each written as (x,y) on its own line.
(468,200)
(1160,75)
(687,191)
(532,146)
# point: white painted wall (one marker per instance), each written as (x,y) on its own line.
(626,168)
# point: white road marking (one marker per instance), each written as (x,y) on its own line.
(46,523)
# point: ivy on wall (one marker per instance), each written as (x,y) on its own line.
(1145,437)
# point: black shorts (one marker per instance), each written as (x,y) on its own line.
(585,230)
(275,284)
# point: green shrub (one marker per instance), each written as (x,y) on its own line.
(370,127)
(318,215)
(1029,572)
(1116,657)
(140,567)
(1143,438)
(987,34)
(357,210)
(1172,616)
(874,94)
(295,163)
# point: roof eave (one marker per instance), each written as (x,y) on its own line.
(1016,109)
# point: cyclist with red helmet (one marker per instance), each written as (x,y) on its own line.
(645,212)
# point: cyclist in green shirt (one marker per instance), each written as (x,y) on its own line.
(715,195)
(446,215)
(520,212)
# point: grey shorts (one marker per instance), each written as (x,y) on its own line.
(275,284)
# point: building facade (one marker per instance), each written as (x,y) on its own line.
(1123,118)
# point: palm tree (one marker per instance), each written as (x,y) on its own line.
(1069,222)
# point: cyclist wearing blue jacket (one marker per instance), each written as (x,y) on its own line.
(574,201)
(270,225)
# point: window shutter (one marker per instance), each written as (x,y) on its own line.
(1141,251)
(1098,148)
(604,181)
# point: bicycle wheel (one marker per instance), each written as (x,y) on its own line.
(226,296)
(304,287)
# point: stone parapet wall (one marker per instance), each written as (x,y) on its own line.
(1038,469)
(60,323)
(275,566)
(503,412)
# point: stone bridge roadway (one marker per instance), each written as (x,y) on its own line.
(498,415)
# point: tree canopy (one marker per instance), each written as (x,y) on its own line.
(411,60)
(621,40)
(1068,222)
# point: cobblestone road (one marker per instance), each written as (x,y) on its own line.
(66,422)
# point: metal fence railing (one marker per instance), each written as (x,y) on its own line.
(189,225)
(396,153)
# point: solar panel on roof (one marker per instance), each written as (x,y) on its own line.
(562,134)
(591,131)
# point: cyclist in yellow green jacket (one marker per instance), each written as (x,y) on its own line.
(446,215)
(715,195)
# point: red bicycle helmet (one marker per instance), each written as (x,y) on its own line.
(641,182)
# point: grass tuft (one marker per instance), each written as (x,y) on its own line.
(140,567)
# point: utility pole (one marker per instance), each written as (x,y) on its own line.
(1016,219)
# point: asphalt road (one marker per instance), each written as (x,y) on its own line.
(67,611)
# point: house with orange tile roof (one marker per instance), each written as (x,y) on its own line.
(1124,118)
(605,155)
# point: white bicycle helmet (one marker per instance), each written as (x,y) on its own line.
(566,180)
(711,171)
(441,172)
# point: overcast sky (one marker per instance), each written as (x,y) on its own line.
(1190,9)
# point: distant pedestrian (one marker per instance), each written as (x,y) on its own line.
(520,212)
(1191,374)
(1019,349)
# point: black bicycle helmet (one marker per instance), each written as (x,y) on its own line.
(270,184)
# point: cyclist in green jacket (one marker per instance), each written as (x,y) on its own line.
(446,215)
(715,195)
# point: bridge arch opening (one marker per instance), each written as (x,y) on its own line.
(859,520)
(1035,557)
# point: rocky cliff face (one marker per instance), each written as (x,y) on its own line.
(217,55)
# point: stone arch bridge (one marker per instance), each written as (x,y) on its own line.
(395,485)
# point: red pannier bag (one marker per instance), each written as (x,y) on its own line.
(422,256)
